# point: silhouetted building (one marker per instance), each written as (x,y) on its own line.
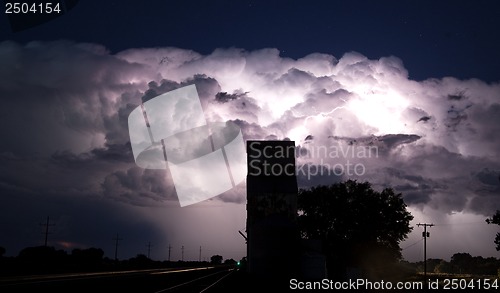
(273,247)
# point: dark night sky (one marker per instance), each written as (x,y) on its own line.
(433,38)
(418,78)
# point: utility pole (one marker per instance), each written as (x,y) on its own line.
(169,250)
(117,239)
(182,249)
(47,225)
(149,248)
(199,258)
(425,234)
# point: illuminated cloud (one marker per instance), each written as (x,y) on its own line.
(65,107)
(80,95)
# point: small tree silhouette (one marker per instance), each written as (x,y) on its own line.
(495,220)
(216,259)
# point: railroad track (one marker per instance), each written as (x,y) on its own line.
(197,279)
(207,283)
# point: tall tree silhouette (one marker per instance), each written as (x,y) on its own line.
(495,220)
(357,225)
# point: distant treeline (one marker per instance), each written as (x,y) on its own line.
(462,263)
(47,259)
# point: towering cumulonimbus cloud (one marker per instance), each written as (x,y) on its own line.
(65,107)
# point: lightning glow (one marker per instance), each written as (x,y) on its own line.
(381,111)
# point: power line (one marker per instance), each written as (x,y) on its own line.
(47,225)
(117,239)
(425,235)
(149,248)
(169,251)
(413,244)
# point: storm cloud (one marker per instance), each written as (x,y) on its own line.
(65,107)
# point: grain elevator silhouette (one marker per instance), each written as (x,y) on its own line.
(273,240)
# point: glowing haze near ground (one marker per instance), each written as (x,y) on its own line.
(65,147)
